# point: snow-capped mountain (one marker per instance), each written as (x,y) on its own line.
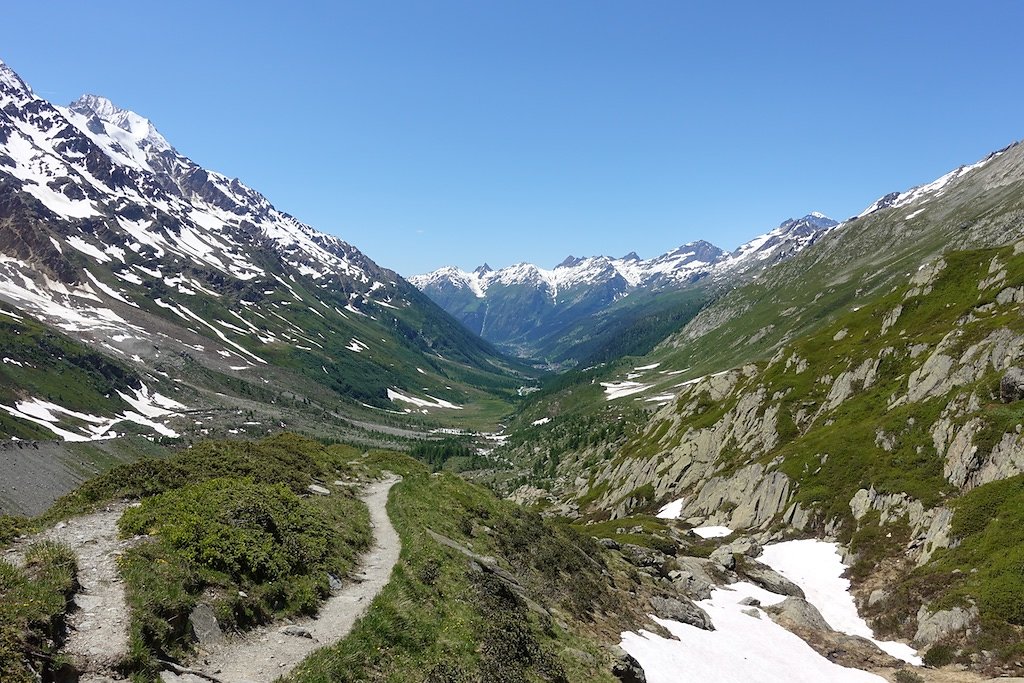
(109,233)
(525,308)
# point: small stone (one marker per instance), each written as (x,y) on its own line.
(318,490)
(296,631)
(752,612)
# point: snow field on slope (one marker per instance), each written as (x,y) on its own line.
(429,402)
(147,406)
(742,648)
(817,567)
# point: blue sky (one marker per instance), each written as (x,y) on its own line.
(441,132)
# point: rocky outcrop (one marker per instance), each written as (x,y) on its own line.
(1011,386)
(683,611)
(754,496)
(850,382)
(930,528)
(627,670)
(769,579)
(933,627)
(797,612)
(693,577)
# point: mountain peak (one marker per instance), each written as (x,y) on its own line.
(12,80)
(569,262)
(483,269)
(138,127)
(631,256)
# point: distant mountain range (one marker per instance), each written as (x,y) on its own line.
(538,313)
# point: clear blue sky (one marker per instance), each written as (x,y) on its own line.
(446,132)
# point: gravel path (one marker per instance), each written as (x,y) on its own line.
(98,628)
(265,653)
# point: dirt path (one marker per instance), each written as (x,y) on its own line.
(98,628)
(266,653)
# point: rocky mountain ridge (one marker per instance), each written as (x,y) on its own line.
(194,285)
(534,311)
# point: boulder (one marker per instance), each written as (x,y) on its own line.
(723,557)
(204,625)
(628,670)
(639,556)
(746,545)
(799,614)
(692,578)
(935,626)
(683,611)
(769,579)
(1011,386)
(318,490)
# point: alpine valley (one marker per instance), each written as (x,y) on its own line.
(586,310)
(237,449)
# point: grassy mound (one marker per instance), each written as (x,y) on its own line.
(445,616)
(33,602)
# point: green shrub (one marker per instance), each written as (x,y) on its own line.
(907,676)
(939,655)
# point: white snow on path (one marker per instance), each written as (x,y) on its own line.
(265,654)
(741,649)
(817,568)
(712,531)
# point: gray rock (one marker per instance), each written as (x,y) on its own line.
(1011,386)
(642,557)
(296,631)
(746,546)
(723,557)
(609,543)
(750,602)
(935,626)
(683,611)
(799,613)
(204,625)
(628,670)
(692,577)
(878,595)
(334,582)
(752,612)
(769,579)
(318,490)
